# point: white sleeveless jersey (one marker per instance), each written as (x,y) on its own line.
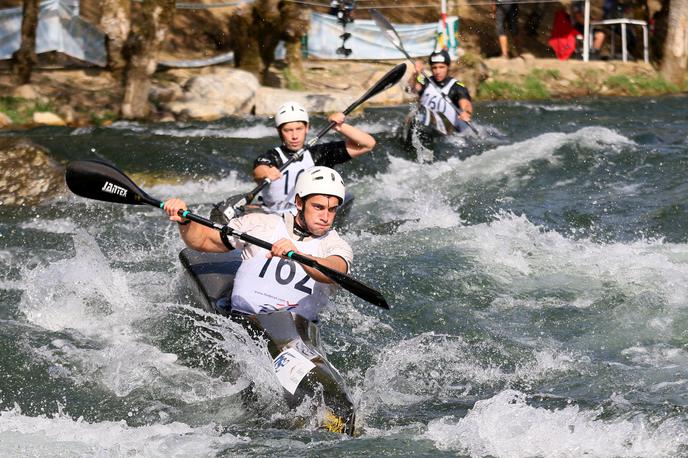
(263,285)
(433,100)
(278,196)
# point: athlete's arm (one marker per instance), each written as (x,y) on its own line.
(467,108)
(357,141)
(415,82)
(461,97)
(196,236)
(284,246)
(261,172)
(267,166)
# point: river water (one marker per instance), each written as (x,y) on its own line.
(538,276)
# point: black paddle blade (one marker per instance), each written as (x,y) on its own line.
(354,286)
(387,27)
(391,78)
(101,181)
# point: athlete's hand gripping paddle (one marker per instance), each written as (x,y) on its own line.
(234,205)
(395,39)
(101,181)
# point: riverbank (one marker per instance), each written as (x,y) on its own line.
(80,97)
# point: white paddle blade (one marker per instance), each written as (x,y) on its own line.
(386,27)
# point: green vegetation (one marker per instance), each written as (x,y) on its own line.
(470,60)
(21,110)
(104,118)
(535,88)
(546,74)
(531,88)
(640,85)
(293,82)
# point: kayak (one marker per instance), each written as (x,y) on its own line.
(426,126)
(299,361)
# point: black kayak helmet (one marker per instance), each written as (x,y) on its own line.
(439,57)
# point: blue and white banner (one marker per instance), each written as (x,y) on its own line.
(367,40)
(59,29)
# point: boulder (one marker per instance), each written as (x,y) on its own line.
(213,96)
(28,175)
(5,120)
(268,100)
(47,118)
(26,91)
(395,95)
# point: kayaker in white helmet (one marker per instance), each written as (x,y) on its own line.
(264,284)
(292,123)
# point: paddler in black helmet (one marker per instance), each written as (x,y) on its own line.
(292,123)
(439,62)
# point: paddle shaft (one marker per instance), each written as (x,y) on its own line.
(350,284)
(400,47)
(103,181)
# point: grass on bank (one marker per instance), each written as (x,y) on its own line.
(21,110)
(293,81)
(640,85)
(532,87)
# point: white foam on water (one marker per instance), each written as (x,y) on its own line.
(82,131)
(53,226)
(439,366)
(255,131)
(507,426)
(658,355)
(547,107)
(502,161)
(411,190)
(62,435)
(128,125)
(534,259)
(372,128)
(204,189)
(85,297)
(250,355)
(403,189)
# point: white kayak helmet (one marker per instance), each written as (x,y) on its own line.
(320,180)
(290,112)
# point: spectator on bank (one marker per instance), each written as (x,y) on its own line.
(578,19)
(506,13)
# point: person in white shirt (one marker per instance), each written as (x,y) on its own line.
(269,281)
(292,125)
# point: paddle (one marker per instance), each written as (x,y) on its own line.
(101,181)
(233,207)
(394,37)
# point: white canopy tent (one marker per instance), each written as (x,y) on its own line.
(59,29)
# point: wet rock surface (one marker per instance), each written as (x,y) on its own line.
(28,175)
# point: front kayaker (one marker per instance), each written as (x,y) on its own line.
(270,281)
(430,96)
(269,287)
(292,125)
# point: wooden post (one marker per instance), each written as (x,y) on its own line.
(675,60)
(115,21)
(141,49)
(24,59)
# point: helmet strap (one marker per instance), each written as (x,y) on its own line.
(300,226)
